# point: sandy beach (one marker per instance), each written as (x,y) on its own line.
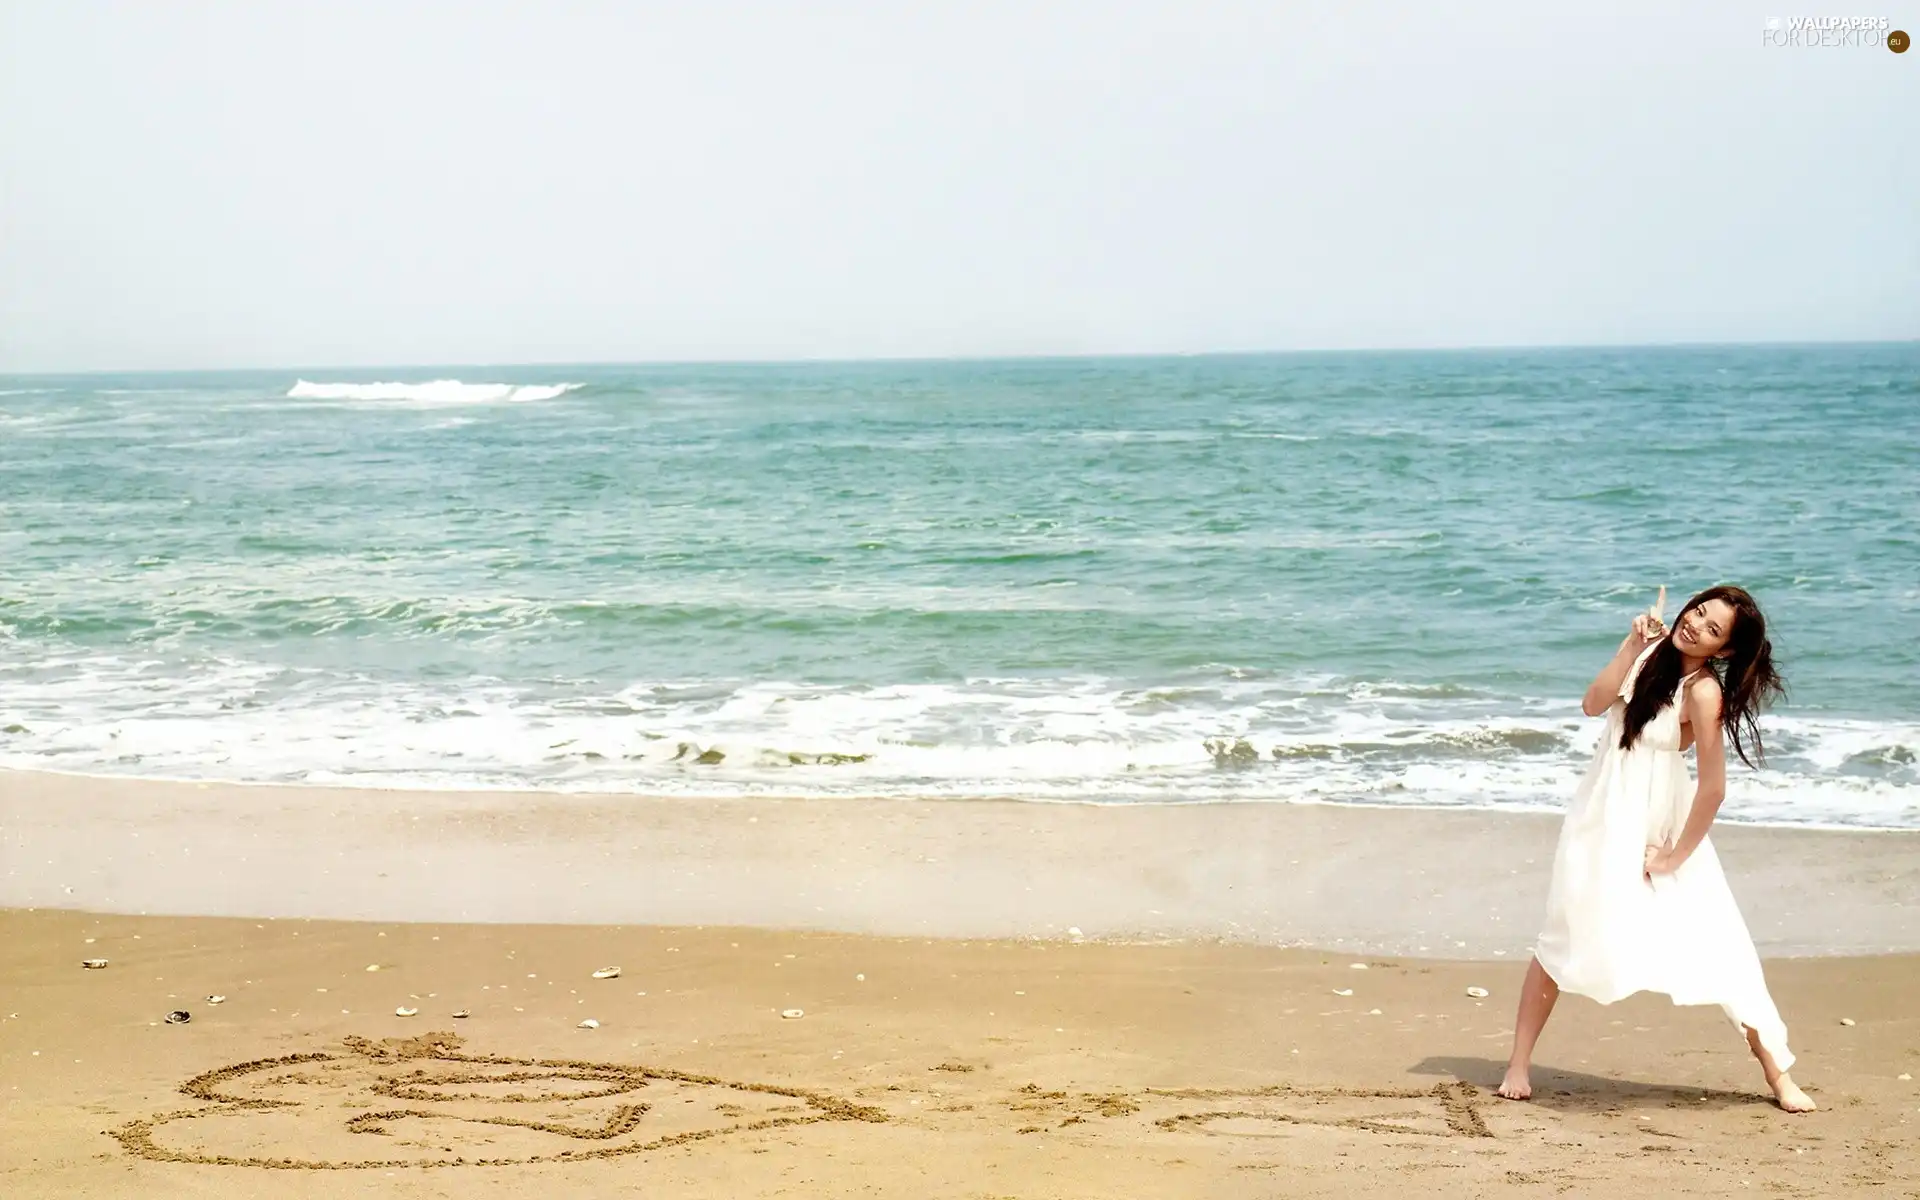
(1114,1029)
(936,602)
(958,1068)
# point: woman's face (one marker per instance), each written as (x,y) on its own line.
(1703,630)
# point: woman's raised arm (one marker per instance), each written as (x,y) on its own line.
(1605,687)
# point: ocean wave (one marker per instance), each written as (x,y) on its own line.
(1140,435)
(167,599)
(1846,746)
(1058,739)
(436,392)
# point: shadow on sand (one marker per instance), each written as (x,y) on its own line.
(1577,1091)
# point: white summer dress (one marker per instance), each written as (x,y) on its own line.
(1608,932)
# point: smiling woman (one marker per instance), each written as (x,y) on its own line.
(1638,901)
(1722,625)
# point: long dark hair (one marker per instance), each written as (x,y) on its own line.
(1748,680)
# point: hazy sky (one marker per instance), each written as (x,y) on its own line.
(238,184)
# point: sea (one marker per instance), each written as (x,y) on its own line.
(1368,578)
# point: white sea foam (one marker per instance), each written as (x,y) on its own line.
(437,392)
(1056,739)
(1141,435)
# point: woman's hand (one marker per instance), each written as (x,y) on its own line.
(1660,860)
(1604,691)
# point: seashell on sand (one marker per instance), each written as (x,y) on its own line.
(461,1014)
(1478,993)
(793,1014)
(404,1011)
(607,973)
(589,1023)
(93,964)
(179,1016)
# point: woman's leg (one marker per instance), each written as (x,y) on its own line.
(1537,995)
(1785,1090)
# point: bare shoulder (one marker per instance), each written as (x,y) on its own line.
(1704,698)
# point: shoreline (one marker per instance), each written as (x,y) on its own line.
(1542,809)
(1435,883)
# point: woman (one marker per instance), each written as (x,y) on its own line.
(1638,901)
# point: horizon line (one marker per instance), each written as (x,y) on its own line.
(852,360)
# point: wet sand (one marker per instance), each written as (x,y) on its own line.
(1401,881)
(1176,1048)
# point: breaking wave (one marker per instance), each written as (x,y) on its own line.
(1064,739)
(438,391)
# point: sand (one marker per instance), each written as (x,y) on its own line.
(1400,881)
(1012,1060)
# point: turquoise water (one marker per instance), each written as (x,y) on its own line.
(1382,578)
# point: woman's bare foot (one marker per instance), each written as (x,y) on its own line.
(1786,1092)
(1516,1086)
(1790,1097)
(1537,994)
